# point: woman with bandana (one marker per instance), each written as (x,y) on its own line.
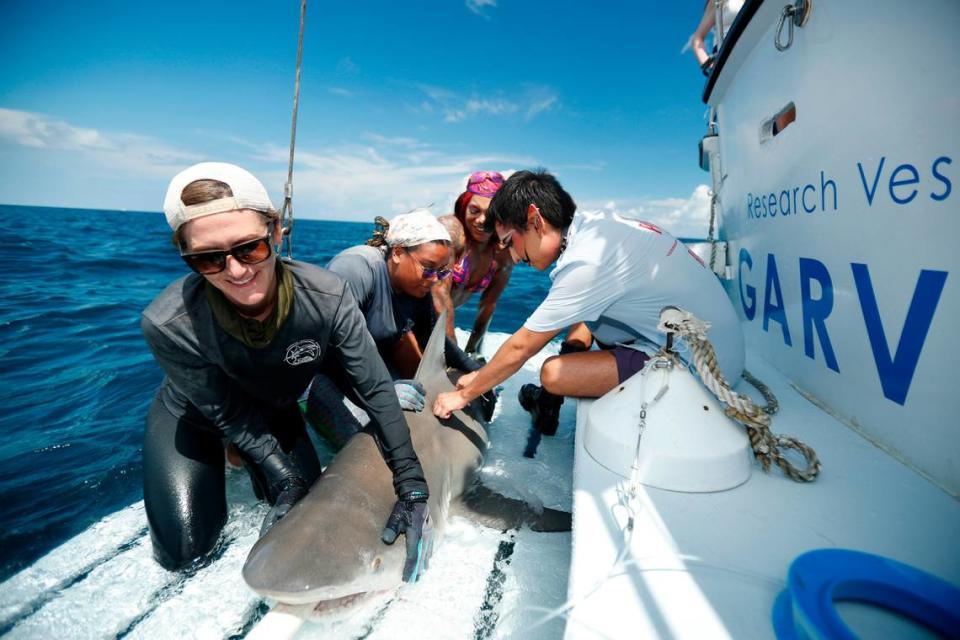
(390,277)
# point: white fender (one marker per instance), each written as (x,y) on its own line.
(688,443)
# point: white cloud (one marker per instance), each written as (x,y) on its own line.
(454,107)
(479,6)
(684,217)
(437,94)
(396,141)
(375,175)
(539,106)
(129,153)
(454,115)
(477,106)
(343,93)
(359,181)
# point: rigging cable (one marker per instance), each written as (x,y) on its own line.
(286,212)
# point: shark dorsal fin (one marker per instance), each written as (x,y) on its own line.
(432,372)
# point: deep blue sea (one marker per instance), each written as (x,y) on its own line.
(75,375)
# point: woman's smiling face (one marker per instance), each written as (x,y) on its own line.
(249,287)
(475,216)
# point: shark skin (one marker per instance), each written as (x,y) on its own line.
(327,549)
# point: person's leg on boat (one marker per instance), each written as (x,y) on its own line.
(577,372)
(184,484)
(544,403)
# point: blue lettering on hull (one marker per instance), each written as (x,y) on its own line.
(815,312)
(881,183)
(817,302)
(771,311)
(896,373)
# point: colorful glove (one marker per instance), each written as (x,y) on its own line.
(411,516)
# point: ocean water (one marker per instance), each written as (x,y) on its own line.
(75,375)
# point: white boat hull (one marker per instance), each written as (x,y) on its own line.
(841,235)
(843,228)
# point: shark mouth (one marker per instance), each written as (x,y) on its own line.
(347,605)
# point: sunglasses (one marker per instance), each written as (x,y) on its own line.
(479,177)
(428,272)
(506,243)
(210,262)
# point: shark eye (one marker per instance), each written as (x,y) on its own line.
(376,563)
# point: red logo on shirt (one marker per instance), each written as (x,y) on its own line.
(647,226)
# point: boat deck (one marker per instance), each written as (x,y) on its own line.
(710,565)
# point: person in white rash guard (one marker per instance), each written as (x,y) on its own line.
(613,276)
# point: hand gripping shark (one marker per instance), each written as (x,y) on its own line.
(327,550)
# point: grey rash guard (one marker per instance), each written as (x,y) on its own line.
(390,315)
(233,385)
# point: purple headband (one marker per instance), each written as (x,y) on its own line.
(484,183)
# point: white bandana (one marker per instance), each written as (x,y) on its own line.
(414,228)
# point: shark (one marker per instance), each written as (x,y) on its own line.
(327,552)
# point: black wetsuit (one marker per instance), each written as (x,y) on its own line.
(217,387)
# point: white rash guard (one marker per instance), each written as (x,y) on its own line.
(616,275)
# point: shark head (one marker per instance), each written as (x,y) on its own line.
(327,549)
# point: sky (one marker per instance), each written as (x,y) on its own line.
(101,103)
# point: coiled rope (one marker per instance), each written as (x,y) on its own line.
(768,447)
(286,212)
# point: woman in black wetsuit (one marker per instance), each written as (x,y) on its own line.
(239,341)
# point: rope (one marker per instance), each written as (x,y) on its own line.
(772,405)
(286,213)
(768,447)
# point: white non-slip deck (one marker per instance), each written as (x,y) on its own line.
(710,565)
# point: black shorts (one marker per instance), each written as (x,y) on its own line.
(629,361)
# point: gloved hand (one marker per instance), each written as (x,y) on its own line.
(411,516)
(411,394)
(285,483)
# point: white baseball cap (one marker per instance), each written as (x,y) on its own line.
(248,193)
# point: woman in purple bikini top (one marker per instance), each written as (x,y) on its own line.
(481,268)
(461,275)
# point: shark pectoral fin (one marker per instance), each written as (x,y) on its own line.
(497,511)
(499,519)
(552,521)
